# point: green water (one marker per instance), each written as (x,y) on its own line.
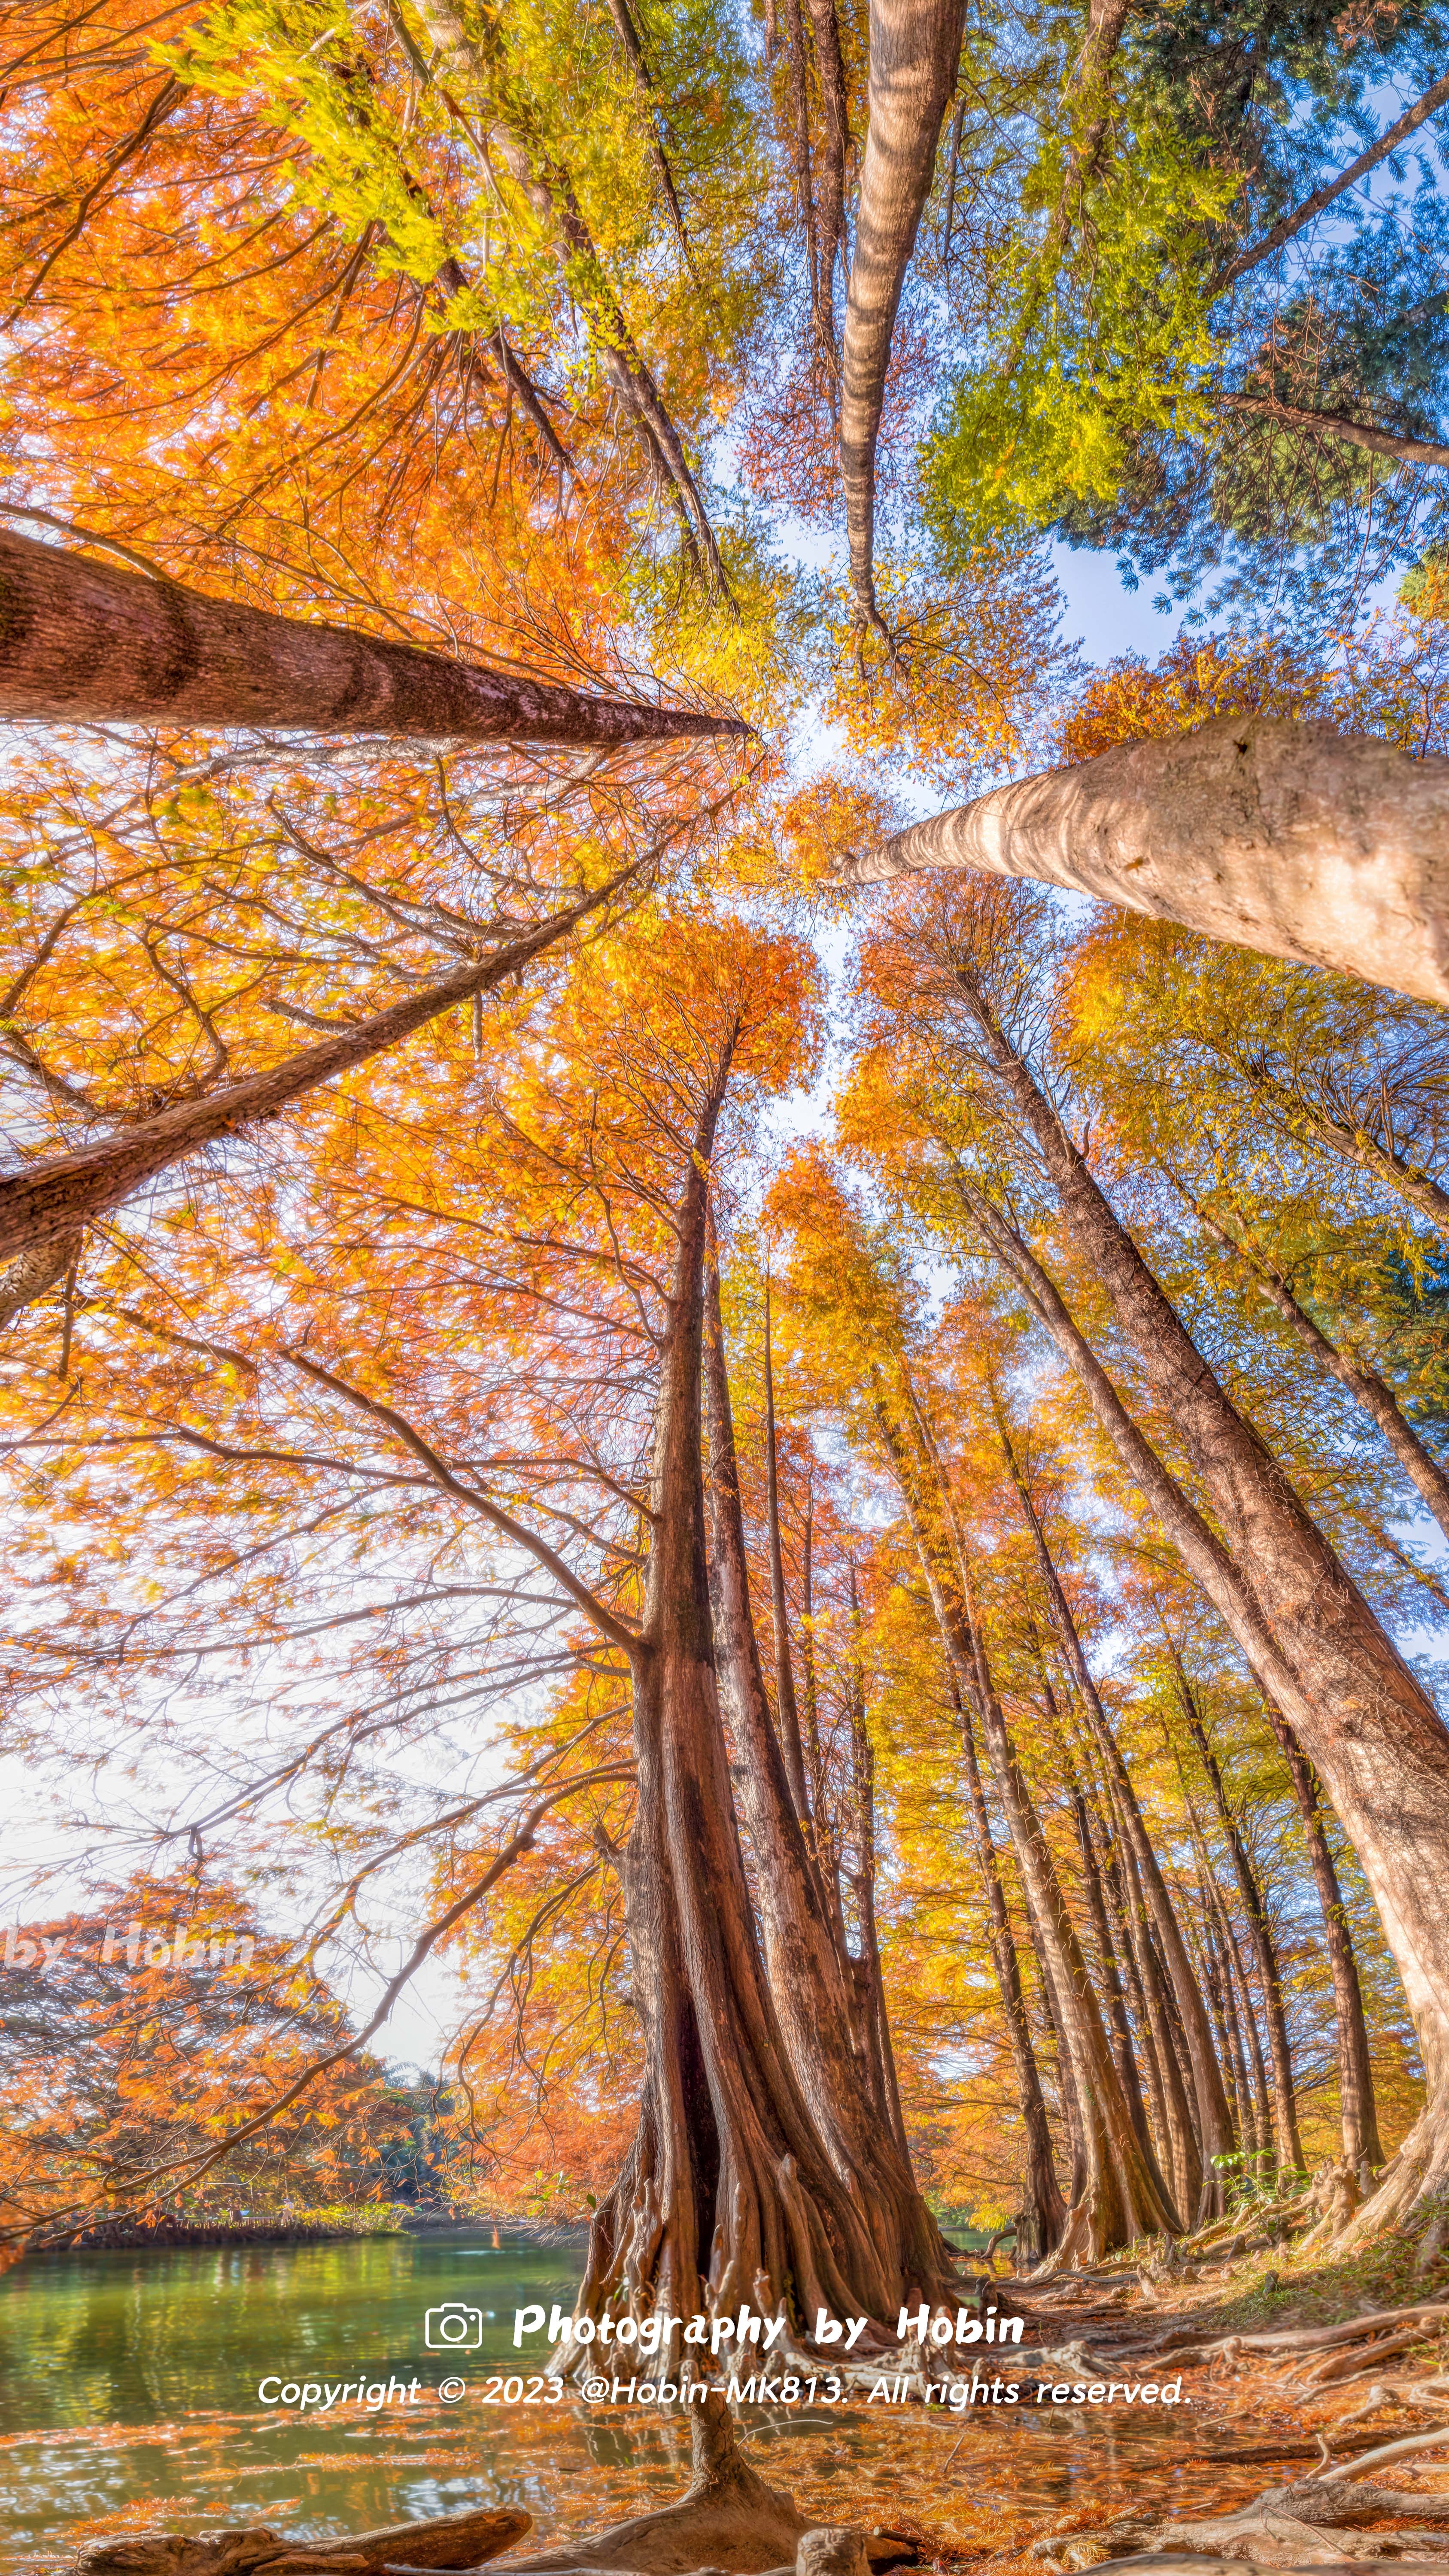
(129,2398)
(133,2376)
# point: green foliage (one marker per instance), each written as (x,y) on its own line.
(1094,348)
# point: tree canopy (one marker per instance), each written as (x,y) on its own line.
(836,1497)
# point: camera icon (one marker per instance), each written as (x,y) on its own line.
(453,2327)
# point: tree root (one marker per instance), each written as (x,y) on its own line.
(454,2540)
(728,2523)
(728,2520)
(1289,2525)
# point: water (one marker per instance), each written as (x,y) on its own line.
(129,2399)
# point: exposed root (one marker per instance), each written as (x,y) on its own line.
(454,2540)
(1412,2187)
(727,2518)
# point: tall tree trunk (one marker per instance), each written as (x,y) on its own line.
(1260,1931)
(1209,1967)
(1257,2070)
(1185,2146)
(726,2195)
(1254,2119)
(1096,1905)
(1288,838)
(1116,2000)
(1053,2015)
(1214,2124)
(786,1703)
(1358,2111)
(914,49)
(1226,2003)
(1124,2196)
(1132,1980)
(1370,1729)
(1042,2201)
(82,642)
(870,1978)
(809,1979)
(826,1835)
(46,1203)
(1338,425)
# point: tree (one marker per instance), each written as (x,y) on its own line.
(914,47)
(81,642)
(1283,838)
(235,891)
(1192,329)
(1298,1614)
(141,2032)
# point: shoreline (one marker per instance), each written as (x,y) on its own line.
(182,2235)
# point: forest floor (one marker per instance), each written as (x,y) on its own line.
(1354,2365)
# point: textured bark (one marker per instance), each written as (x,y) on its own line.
(727,2194)
(727,2519)
(1260,1931)
(45,1203)
(32,1273)
(1358,2111)
(1214,2124)
(809,1982)
(1289,838)
(83,642)
(1337,424)
(914,48)
(1364,1384)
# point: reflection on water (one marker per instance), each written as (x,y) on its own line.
(128,2396)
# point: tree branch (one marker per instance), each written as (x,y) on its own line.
(604,1619)
(1287,225)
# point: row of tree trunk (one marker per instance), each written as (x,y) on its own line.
(1356,1726)
(1160,2027)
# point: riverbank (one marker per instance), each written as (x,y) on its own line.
(314,2228)
(129,2401)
